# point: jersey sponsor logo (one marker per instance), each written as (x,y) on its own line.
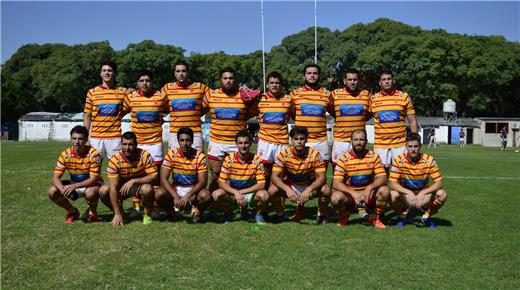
(147,117)
(351,110)
(389,116)
(414,183)
(312,110)
(360,180)
(187,104)
(185,179)
(227,113)
(108,109)
(79,177)
(239,184)
(273,118)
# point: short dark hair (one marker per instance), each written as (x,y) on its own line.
(385,71)
(181,62)
(227,69)
(275,75)
(350,71)
(243,133)
(110,63)
(145,72)
(79,130)
(413,137)
(359,130)
(186,131)
(129,136)
(312,65)
(299,130)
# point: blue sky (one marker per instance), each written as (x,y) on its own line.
(233,27)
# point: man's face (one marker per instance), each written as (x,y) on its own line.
(413,148)
(145,84)
(181,73)
(107,74)
(299,141)
(386,82)
(274,86)
(78,141)
(129,147)
(185,142)
(243,144)
(311,76)
(359,142)
(351,81)
(228,81)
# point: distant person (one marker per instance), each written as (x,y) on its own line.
(390,107)
(131,172)
(103,112)
(185,105)
(83,163)
(409,180)
(462,138)
(432,139)
(503,138)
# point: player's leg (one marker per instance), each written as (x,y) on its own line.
(222,202)
(261,200)
(198,141)
(92,198)
(57,197)
(400,206)
(378,199)
(343,203)
(200,202)
(165,202)
(104,195)
(277,202)
(436,202)
(146,192)
(322,214)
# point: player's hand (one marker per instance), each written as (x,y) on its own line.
(183,201)
(117,221)
(240,200)
(292,195)
(68,189)
(125,189)
(304,197)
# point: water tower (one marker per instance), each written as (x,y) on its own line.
(449,110)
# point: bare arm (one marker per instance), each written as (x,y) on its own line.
(114,200)
(277,180)
(165,183)
(399,188)
(436,186)
(87,120)
(412,120)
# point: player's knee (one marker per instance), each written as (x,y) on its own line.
(52,192)
(262,196)
(441,194)
(204,195)
(336,198)
(147,190)
(325,191)
(273,190)
(217,194)
(160,193)
(92,193)
(104,191)
(383,193)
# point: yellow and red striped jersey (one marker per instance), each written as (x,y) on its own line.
(228,115)
(120,166)
(298,170)
(414,176)
(389,111)
(273,116)
(185,105)
(185,171)
(147,115)
(359,172)
(80,168)
(352,111)
(310,107)
(105,107)
(242,174)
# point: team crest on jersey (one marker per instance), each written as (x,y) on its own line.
(98,159)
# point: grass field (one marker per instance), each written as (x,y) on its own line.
(475,246)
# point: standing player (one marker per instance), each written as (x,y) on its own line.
(245,173)
(390,107)
(409,178)
(189,171)
(185,105)
(131,172)
(360,180)
(351,105)
(503,138)
(431,136)
(83,164)
(103,112)
(299,174)
(462,138)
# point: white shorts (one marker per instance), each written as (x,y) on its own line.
(156,150)
(339,148)
(388,154)
(218,151)
(249,199)
(106,147)
(80,190)
(268,151)
(322,147)
(198,142)
(182,190)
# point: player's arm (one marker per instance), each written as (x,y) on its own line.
(113,181)
(165,183)
(277,180)
(56,181)
(254,188)
(90,181)
(394,185)
(338,184)
(321,178)
(147,179)
(87,120)
(202,181)
(433,188)
(227,188)
(412,120)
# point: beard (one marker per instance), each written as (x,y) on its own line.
(231,91)
(359,151)
(314,85)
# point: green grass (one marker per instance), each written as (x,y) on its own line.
(475,246)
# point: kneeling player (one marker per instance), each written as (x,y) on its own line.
(409,182)
(131,172)
(83,163)
(188,168)
(246,176)
(299,174)
(360,180)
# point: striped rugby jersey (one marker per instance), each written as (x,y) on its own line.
(228,115)
(242,174)
(185,172)
(414,176)
(80,168)
(185,105)
(147,115)
(359,172)
(309,107)
(105,107)
(352,111)
(389,112)
(273,116)
(297,170)
(120,166)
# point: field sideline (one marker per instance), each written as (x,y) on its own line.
(475,246)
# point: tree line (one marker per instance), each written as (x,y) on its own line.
(480,73)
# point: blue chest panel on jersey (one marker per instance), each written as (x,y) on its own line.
(351,110)
(389,116)
(187,104)
(227,113)
(147,117)
(312,110)
(273,118)
(108,109)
